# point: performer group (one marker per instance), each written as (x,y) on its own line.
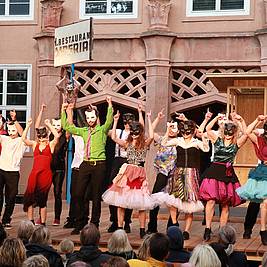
(179,186)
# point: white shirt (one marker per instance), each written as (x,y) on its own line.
(79,151)
(120,151)
(12,153)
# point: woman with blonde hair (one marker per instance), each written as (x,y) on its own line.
(119,245)
(25,231)
(204,256)
(12,252)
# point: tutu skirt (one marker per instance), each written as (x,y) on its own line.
(129,189)
(255,189)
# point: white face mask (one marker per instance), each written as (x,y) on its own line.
(57,125)
(91,117)
(12,130)
(173,127)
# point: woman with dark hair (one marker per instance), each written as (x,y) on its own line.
(130,188)
(219,249)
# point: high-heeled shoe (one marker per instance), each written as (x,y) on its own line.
(207,234)
(142,232)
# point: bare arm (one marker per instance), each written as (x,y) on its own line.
(150,130)
(26,141)
(55,134)
(140,115)
(211,134)
(39,117)
(69,111)
(114,137)
(242,124)
(252,136)
(62,84)
(202,126)
(171,142)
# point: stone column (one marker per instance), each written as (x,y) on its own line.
(48,75)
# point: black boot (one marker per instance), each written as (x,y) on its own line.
(127,228)
(113,227)
(142,232)
(207,234)
(263,235)
(247,234)
(186,235)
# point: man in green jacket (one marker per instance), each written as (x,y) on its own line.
(93,168)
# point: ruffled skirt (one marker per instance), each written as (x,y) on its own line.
(255,189)
(129,189)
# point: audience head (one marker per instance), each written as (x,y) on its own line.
(159,246)
(40,235)
(176,237)
(204,256)
(90,235)
(25,230)
(119,242)
(143,251)
(66,246)
(227,237)
(36,261)
(3,234)
(219,249)
(80,264)
(116,262)
(264,260)
(12,252)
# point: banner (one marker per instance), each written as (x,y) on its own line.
(73,43)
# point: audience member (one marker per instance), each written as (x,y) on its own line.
(36,261)
(39,244)
(12,253)
(227,237)
(143,251)
(80,264)
(3,234)
(66,247)
(264,260)
(119,245)
(219,249)
(25,231)
(204,256)
(176,252)
(89,251)
(116,261)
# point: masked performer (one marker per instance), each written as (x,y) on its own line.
(92,170)
(40,178)
(129,189)
(220,180)
(12,152)
(181,192)
(255,189)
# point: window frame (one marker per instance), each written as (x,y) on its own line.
(134,15)
(217,11)
(3,106)
(8,17)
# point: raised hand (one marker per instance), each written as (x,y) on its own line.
(261,118)
(64,106)
(148,114)
(139,107)
(180,116)
(208,115)
(47,121)
(43,106)
(29,122)
(116,116)
(13,115)
(109,100)
(161,115)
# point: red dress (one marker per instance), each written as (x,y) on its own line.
(40,179)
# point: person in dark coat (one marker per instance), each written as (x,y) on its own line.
(89,251)
(176,251)
(39,244)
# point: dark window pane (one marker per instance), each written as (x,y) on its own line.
(2,9)
(16,87)
(122,7)
(1,99)
(19,9)
(2,1)
(21,114)
(16,99)
(20,1)
(17,75)
(199,5)
(1,75)
(96,7)
(232,4)
(1,87)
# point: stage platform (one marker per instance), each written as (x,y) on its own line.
(252,247)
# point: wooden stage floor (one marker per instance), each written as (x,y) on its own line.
(252,247)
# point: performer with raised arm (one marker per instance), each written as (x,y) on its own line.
(181,192)
(40,178)
(255,189)
(12,152)
(220,180)
(119,160)
(129,189)
(92,170)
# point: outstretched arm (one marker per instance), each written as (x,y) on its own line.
(202,126)
(39,117)
(252,136)
(211,135)
(204,145)
(242,125)
(140,115)
(114,136)
(156,122)
(55,134)
(13,116)
(107,125)
(150,130)
(25,132)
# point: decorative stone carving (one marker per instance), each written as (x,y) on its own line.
(159,14)
(107,82)
(51,12)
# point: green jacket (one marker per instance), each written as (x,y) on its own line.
(98,135)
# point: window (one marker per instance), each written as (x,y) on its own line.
(15,91)
(105,9)
(217,7)
(16,9)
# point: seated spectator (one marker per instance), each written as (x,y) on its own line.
(66,247)
(227,237)
(119,245)
(176,252)
(3,234)
(36,261)
(158,251)
(116,262)
(12,253)
(39,244)
(89,251)
(219,249)
(143,251)
(25,231)
(264,260)
(80,264)
(204,256)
